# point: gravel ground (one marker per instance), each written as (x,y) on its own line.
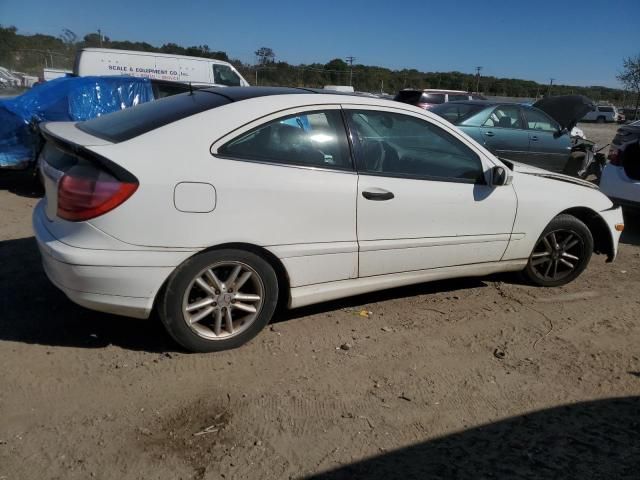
(470,378)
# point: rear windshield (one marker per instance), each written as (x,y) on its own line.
(435,98)
(605,109)
(456,97)
(414,97)
(457,112)
(131,122)
(409,96)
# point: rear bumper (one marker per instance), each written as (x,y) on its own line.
(621,189)
(104,280)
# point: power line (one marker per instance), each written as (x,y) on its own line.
(350,62)
(478,69)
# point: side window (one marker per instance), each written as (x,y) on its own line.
(536,120)
(316,139)
(224,75)
(456,97)
(400,145)
(504,116)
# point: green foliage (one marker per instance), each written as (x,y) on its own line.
(28,53)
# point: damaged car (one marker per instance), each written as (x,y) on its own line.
(538,134)
(216,207)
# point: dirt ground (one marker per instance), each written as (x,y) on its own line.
(471,378)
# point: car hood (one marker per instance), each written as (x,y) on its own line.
(521,168)
(566,109)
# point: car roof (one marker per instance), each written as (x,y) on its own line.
(237,94)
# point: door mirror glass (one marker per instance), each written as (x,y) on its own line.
(500,176)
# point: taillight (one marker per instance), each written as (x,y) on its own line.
(86,192)
(614,157)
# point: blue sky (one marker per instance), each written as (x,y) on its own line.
(579,43)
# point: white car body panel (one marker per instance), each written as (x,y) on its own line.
(331,242)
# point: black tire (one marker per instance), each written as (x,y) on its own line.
(600,119)
(180,285)
(546,256)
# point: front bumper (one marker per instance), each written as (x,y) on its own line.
(119,282)
(613,217)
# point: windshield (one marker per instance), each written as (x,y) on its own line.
(224,75)
(457,112)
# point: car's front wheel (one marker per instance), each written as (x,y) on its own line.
(219,300)
(561,254)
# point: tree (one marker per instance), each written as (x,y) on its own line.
(630,77)
(265,55)
(337,69)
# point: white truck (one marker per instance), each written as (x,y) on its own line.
(159,66)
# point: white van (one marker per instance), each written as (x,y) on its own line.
(160,66)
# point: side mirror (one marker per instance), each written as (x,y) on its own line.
(558,133)
(500,176)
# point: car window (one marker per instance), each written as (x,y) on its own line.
(453,98)
(224,75)
(393,144)
(316,139)
(504,116)
(606,109)
(536,120)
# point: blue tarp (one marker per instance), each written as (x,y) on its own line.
(62,99)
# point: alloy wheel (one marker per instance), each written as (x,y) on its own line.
(223,300)
(557,255)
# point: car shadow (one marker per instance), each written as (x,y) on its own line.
(589,440)
(631,233)
(21,182)
(36,312)
(440,286)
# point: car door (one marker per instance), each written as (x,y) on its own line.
(548,148)
(293,186)
(504,135)
(422,199)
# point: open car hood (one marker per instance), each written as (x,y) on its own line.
(566,109)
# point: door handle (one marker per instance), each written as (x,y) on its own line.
(489,134)
(534,138)
(378,195)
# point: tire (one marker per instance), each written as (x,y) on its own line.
(221,287)
(600,120)
(573,246)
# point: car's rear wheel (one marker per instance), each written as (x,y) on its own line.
(561,253)
(600,119)
(219,300)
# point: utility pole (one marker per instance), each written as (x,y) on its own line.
(100,36)
(478,79)
(550,85)
(350,62)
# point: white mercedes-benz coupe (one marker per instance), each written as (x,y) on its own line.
(216,206)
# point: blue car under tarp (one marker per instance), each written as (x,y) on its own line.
(62,99)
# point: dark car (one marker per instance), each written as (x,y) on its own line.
(536,134)
(429,98)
